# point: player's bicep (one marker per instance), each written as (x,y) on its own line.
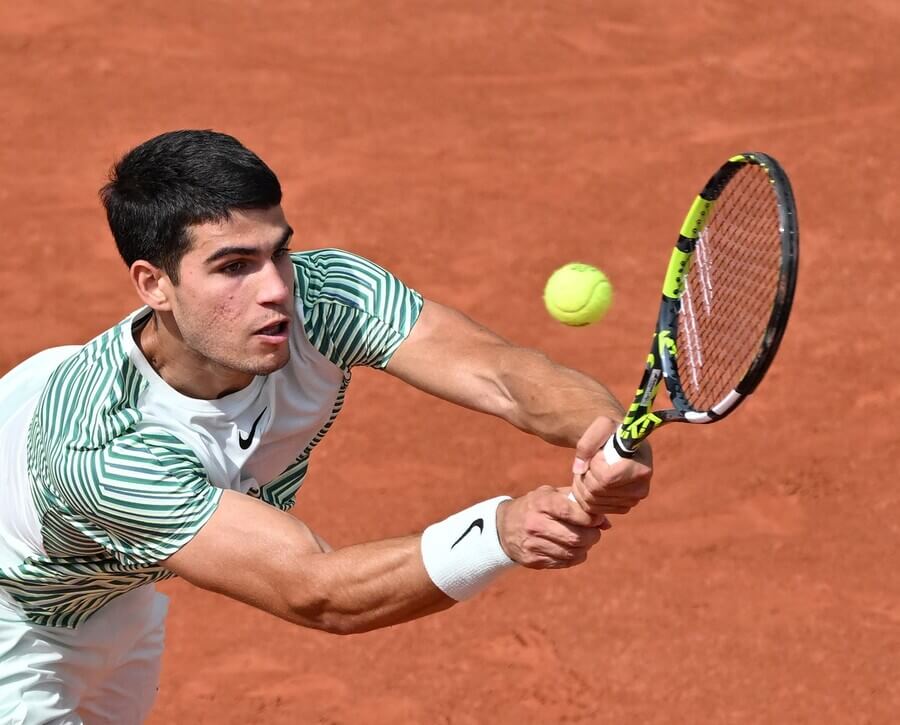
(449,355)
(254,553)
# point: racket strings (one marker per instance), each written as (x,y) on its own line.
(731,289)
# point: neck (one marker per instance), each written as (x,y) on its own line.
(183,368)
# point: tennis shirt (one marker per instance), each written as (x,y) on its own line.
(107,470)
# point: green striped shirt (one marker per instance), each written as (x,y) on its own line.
(123,471)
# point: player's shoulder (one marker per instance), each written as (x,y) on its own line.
(338,276)
(332,261)
(93,393)
(104,355)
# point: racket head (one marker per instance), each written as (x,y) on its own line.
(729,289)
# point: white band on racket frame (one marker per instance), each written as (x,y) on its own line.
(462,554)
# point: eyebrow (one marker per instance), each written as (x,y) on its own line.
(222,252)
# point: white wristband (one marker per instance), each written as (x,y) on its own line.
(462,553)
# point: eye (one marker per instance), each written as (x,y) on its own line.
(234,268)
(281,253)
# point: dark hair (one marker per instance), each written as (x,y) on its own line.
(160,188)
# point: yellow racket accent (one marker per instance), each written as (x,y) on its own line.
(696,218)
(639,427)
(679,264)
(668,342)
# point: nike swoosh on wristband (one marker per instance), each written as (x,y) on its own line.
(245,442)
(477,523)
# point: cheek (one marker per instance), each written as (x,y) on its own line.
(213,313)
(226,309)
(225,320)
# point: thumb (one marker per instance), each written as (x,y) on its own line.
(591,442)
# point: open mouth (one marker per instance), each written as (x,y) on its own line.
(276,329)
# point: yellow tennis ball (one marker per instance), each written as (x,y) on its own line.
(578,294)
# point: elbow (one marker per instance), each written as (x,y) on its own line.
(321,613)
(519,391)
(335,624)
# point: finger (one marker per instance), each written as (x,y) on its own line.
(628,480)
(604,508)
(538,549)
(578,558)
(569,536)
(617,501)
(590,503)
(577,492)
(605,500)
(570,510)
(591,442)
(635,491)
(593,485)
(545,562)
(623,471)
(562,508)
(597,520)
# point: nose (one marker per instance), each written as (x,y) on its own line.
(276,284)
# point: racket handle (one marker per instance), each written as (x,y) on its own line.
(613,452)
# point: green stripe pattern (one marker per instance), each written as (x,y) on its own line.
(355,312)
(116,496)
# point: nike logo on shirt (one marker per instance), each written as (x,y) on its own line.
(245,442)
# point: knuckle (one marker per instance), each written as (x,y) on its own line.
(602,480)
(532,525)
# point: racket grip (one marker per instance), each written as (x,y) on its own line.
(611,451)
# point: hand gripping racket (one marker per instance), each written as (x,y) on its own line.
(726,299)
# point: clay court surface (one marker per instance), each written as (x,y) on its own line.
(472,149)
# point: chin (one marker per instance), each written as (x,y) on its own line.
(272,364)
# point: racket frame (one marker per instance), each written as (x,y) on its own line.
(662,362)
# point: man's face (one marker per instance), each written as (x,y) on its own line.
(234,302)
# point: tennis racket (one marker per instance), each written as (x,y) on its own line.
(725,304)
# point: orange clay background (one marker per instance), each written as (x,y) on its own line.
(472,147)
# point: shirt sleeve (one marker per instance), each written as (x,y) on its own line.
(354,312)
(141,498)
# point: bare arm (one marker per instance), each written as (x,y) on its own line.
(450,356)
(454,358)
(264,557)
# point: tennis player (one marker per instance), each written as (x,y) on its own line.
(174,442)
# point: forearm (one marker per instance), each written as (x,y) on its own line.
(270,560)
(550,400)
(454,358)
(364,587)
(387,582)
(273,561)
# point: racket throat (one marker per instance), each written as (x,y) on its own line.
(621,449)
(650,388)
(633,430)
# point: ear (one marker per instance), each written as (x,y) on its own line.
(152,285)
